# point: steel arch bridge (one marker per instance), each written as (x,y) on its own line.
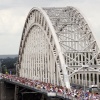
(57,46)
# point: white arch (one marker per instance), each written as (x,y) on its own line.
(71,41)
(61,59)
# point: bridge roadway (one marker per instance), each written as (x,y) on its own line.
(26,89)
(8,79)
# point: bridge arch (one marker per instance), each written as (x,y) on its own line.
(54,70)
(56,42)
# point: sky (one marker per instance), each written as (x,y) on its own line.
(14,12)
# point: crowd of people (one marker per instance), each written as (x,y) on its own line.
(73,93)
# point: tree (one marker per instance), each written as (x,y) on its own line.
(8,65)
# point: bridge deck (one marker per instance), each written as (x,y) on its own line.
(45,88)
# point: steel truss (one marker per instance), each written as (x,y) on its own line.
(56,42)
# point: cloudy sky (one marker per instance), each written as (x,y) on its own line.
(13,14)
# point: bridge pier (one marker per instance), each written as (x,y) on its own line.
(6,91)
(2,91)
(16,92)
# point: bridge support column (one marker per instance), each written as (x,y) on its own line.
(79,78)
(93,79)
(76,78)
(85,79)
(16,92)
(98,79)
(6,91)
(82,79)
(89,78)
(2,91)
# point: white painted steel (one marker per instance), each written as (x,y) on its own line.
(57,42)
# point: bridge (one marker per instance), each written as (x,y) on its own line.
(57,47)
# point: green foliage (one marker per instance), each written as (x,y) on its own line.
(9,64)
